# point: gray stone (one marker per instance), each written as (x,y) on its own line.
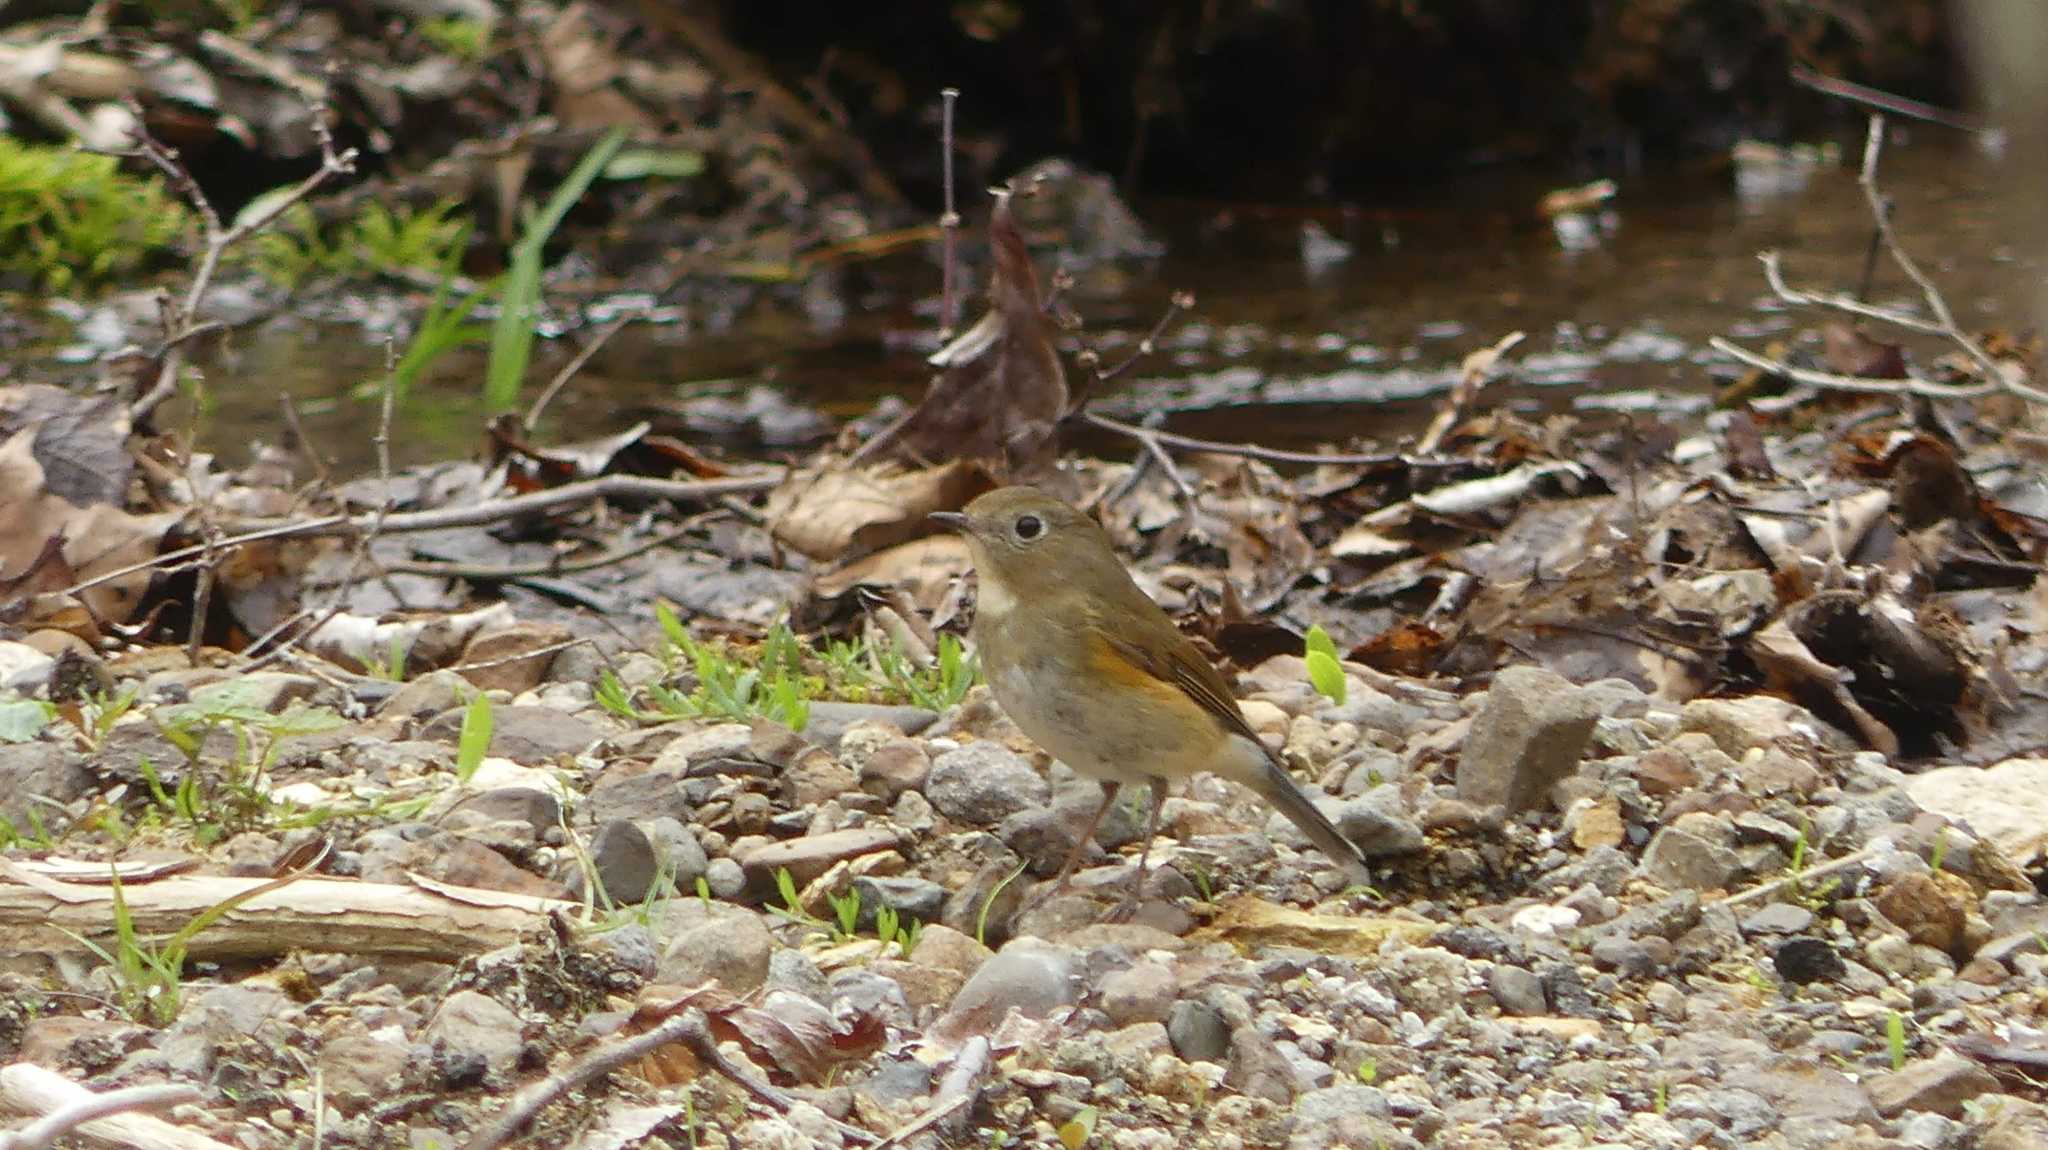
(1694,853)
(909,896)
(1029,976)
(267,691)
(1742,1113)
(524,734)
(1143,992)
(1518,991)
(31,773)
(1531,731)
(632,790)
(1198,1031)
(1778,918)
(719,943)
(792,970)
(1736,725)
(625,861)
(726,878)
(1380,823)
(869,994)
(1802,1089)
(1257,1067)
(536,808)
(679,851)
(1927,1131)
(808,857)
(23,668)
(829,721)
(627,948)
(472,1028)
(894,767)
(362,1068)
(1940,1084)
(427,696)
(983,783)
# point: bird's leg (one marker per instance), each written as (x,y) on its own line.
(1129,906)
(1109,793)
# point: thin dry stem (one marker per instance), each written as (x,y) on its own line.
(475,515)
(1944,324)
(44,1132)
(576,363)
(181,318)
(949,220)
(1911,385)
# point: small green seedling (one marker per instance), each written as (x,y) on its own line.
(475,738)
(846,908)
(1325,670)
(1895,1039)
(1079,1129)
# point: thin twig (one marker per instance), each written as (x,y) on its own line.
(1774,274)
(1873,147)
(596,343)
(306,447)
(1148,438)
(1910,385)
(1768,889)
(925,1121)
(181,318)
(1270,454)
(44,1132)
(531,1100)
(472,515)
(949,219)
(484,572)
(518,657)
(1884,101)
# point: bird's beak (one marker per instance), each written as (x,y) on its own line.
(952,520)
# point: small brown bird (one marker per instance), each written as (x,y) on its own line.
(1090,667)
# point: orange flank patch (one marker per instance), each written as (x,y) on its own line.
(1110,666)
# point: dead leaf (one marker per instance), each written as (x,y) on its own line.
(95,540)
(1000,392)
(846,512)
(1851,352)
(1249,922)
(583,65)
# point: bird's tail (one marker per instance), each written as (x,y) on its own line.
(1278,788)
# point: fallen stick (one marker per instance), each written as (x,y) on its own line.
(440,923)
(64,1107)
(471,515)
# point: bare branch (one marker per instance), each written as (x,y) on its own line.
(1911,385)
(1840,301)
(473,515)
(1995,372)
(44,1132)
(576,363)
(180,320)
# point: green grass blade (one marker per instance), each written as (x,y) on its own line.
(512,336)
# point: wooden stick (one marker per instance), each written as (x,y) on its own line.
(29,1088)
(441,923)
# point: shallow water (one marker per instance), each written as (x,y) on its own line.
(1277,351)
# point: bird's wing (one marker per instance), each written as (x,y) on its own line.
(1176,663)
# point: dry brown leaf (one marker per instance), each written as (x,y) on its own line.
(846,512)
(1249,922)
(95,540)
(1000,392)
(584,67)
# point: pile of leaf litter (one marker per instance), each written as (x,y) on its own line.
(621,793)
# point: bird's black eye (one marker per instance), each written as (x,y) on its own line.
(1029,527)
